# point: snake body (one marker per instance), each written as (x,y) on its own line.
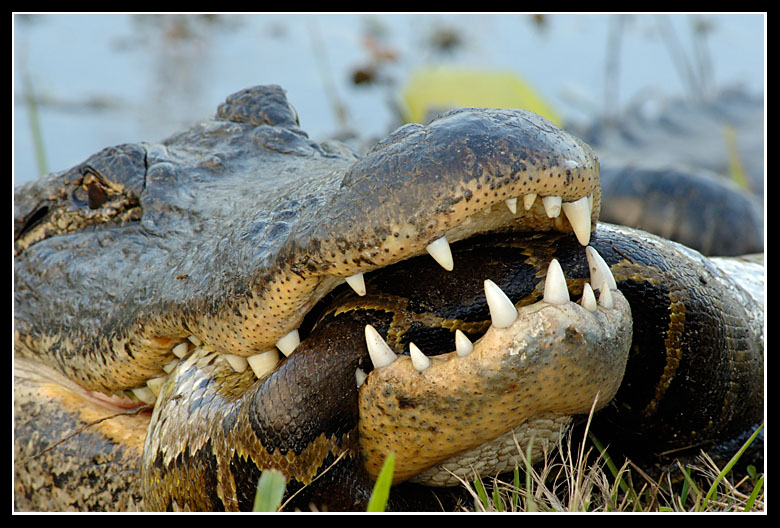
(690,377)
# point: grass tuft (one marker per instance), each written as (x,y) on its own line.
(584,480)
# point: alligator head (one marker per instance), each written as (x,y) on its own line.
(225,236)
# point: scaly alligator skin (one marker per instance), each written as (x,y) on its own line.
(167,270)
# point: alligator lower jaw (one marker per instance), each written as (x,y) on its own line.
(552,358)
(528,441)
(119,419)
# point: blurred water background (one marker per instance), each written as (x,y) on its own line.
(86,81)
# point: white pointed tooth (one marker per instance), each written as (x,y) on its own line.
(264,362)
(552,206)
(237,363)
(195,341)
(463,345)
(511,203)
(360,376)
(180,350)
(578,214)
(379,351)
(357,283)
(144,394)
(588,300)
(419,360)
(155,384)
(439,249)
(528,201)
(599,271)
(555,289)
(168,367)
(502,311)
(605,297)
(289,342)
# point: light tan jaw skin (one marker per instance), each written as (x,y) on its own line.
(555,356)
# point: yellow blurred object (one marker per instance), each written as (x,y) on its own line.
(436,89)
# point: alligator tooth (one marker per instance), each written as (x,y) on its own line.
(528,201)
(605,297)
(180,350)
(238,363)
(463,345)
(511,203)
(288,343)
(360,376)
(588,300)
(357,283)
(207,359)
(155,384)
(168,367)
(419,360)
(144,394)
(379,351)
(599,271)
(264,362)
(555,289)
(502,311)
(552,206)
(578,213)
(440,251)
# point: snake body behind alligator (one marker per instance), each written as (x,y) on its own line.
(176,273)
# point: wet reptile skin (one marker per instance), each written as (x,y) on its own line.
(232,232)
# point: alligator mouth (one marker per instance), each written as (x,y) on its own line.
(473,360)
(486,370)
(257,329)
(500,214)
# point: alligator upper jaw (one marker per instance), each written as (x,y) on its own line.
(424,187)
(469,172)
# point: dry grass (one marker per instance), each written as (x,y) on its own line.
(575,478)
(572,480)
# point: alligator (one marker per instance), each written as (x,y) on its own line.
(239,298)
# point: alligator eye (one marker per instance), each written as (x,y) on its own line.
(96,196)
(92,183)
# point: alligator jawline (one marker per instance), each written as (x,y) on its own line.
(499,215)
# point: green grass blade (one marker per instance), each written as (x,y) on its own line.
(754,494)
(270,491)
(35,126)
(613,469)
(497,504)
(516,489)
(731,464)
(480,489)
(381,492)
